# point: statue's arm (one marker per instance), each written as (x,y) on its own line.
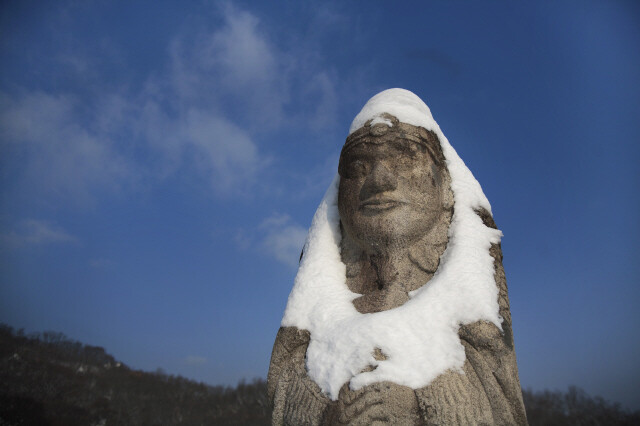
(491,352)
(489,390)
(295,398)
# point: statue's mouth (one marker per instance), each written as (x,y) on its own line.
(380,204)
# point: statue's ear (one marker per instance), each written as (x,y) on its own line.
(447,192)
(447,197)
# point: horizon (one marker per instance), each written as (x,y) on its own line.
(161,164)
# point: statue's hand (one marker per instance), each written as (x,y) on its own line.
(378,403)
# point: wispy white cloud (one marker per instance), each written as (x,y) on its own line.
(225,152)
(63,157)
(283,239)
(178,122)
(37,232)
(243,239)
(235,66)
(223,87)
(322,88)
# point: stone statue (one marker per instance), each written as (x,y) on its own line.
(400,312)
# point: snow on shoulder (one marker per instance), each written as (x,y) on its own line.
(419,338)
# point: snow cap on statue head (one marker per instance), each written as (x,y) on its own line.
(402,104)
(395,114)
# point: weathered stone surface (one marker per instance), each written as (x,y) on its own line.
(396,204)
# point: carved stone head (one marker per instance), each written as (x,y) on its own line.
(394,185)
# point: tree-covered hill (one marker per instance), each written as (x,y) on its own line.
(48,379)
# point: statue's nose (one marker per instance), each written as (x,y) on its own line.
(380,179)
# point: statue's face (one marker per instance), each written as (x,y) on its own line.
(390,193)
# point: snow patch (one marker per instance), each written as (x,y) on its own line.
(403,104)
(419,338)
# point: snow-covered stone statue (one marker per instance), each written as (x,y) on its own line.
(399,313)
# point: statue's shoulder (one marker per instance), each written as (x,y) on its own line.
(289,347)
(291,338)
(294,397)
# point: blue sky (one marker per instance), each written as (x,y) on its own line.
(160,163)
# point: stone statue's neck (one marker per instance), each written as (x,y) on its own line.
(385,277)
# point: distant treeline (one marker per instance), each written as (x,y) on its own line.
(48,379)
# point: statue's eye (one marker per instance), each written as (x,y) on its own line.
(356,169)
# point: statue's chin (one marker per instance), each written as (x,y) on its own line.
(384,242)
(377,234)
